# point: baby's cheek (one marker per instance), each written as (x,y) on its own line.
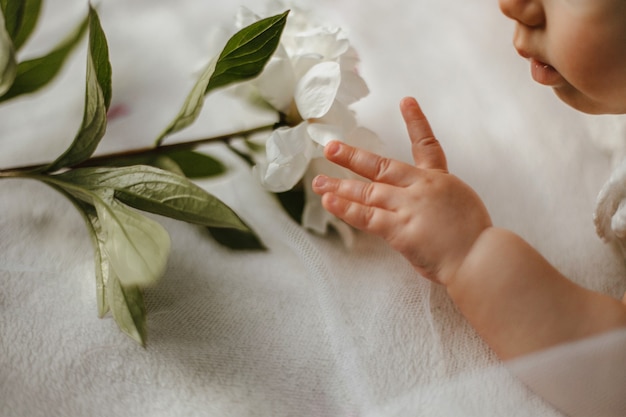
(590,63)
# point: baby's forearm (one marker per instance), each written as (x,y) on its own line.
(519,303)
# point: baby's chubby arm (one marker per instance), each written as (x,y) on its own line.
(511,295)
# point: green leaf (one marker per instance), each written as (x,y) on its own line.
(20,19)
(185,163)
(97,99)
(243,58)
(138,247)
(36,73)
(247,52)
(237,239)
(126,303)
(99,51)
(158,191)
(293,202)
(165,163)
(197,165)
(8,64)
(128,309)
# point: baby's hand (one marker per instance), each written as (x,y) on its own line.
(425,213)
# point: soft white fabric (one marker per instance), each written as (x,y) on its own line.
(308,328)
(585,378)
(610,214)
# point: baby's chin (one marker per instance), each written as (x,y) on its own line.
(581,102)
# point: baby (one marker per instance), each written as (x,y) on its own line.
(511,295)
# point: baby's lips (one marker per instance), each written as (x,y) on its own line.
(544,73)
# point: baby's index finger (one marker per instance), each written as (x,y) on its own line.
(369,165)
(427,152)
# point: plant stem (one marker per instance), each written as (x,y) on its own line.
(143,152)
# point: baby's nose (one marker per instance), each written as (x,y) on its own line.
(526,12)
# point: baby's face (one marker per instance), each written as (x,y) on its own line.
(577,47)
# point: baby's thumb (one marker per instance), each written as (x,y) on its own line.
(427,152)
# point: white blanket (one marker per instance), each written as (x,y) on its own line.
(308,328)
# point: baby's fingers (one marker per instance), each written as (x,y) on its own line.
(370,165)
(427,152)
(366,193)
(369,219)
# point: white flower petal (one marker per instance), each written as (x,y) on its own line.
(323,133)
(276,83)
(288,151)
(314,216)
(317,219)
(299,21)
(341,116)
(352,89)
(316,91)
(303,63)
(330,43)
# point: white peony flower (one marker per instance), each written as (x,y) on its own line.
(311,80)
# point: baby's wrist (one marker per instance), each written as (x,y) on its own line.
(479,256)
(455,264)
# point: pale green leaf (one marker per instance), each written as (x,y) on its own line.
(243,58)
(158,191)
(128,309)
(138,247)
(20,19)
(124,301)
(33,74)
(8,64)
(97,99)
